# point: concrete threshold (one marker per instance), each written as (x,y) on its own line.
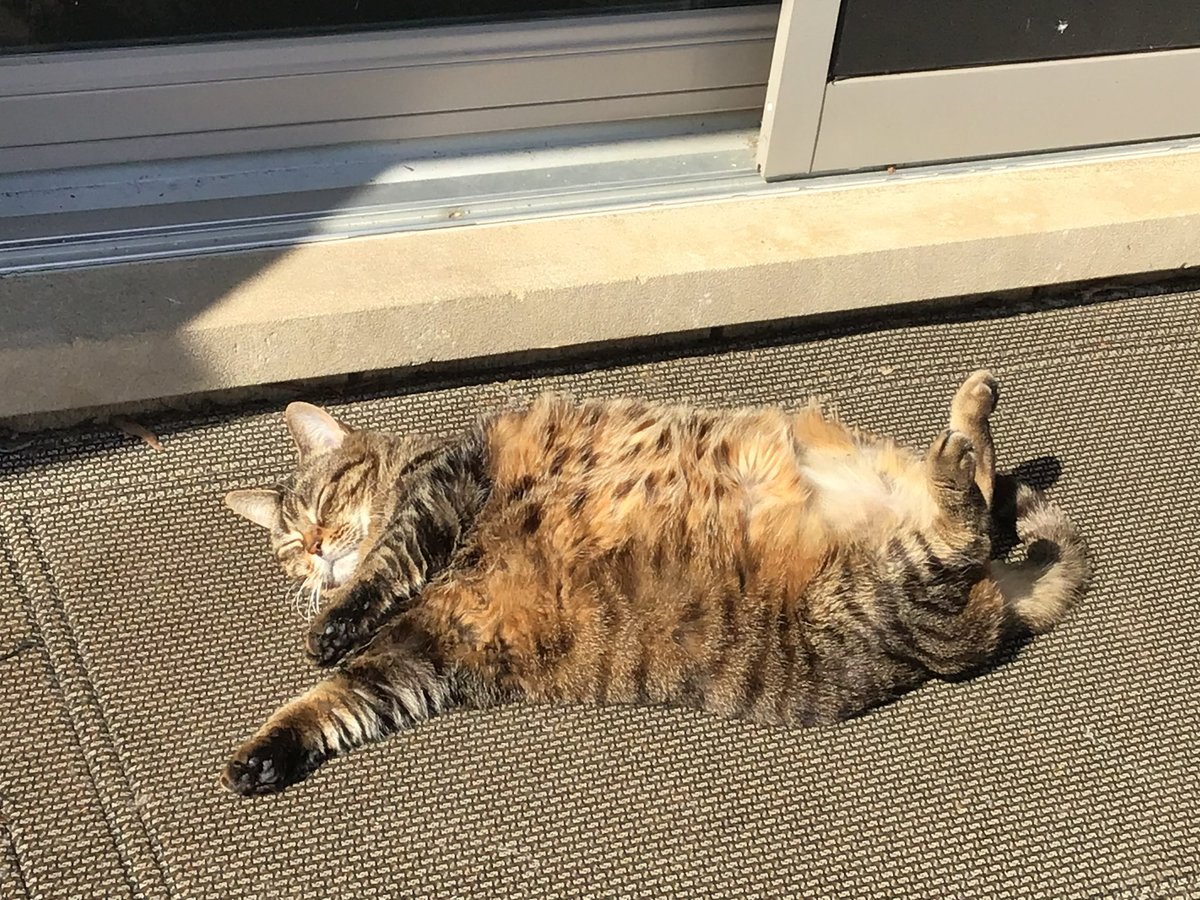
(117,334)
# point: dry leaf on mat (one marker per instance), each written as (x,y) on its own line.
(133,429)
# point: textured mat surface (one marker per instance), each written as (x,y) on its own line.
(144,631)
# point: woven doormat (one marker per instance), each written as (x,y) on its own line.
(144,631)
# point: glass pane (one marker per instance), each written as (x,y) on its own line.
(883,37)
(37,25)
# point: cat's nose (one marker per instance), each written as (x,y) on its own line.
(312,543)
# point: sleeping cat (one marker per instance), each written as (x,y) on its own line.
(772,565)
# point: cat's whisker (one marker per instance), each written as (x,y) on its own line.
(304,598)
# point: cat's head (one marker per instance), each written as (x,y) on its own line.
(319,519)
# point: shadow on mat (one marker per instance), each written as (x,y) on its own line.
(1041,473)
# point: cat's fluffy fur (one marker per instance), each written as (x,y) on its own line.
(773,565)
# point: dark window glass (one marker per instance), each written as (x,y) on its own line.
(878,37)
(29,25)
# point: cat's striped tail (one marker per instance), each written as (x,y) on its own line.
(1042,589)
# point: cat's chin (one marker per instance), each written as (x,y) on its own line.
(334,572)
(341,569)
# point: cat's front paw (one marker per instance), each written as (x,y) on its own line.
(333,635)
(270,763)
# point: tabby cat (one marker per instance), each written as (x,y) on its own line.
(772,565)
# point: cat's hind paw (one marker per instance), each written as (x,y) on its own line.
(270,763)
(951,460)
(976,398)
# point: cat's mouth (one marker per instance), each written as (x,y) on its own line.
(336,570)
(324,573)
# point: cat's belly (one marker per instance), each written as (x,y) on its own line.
(787,482)
(874,490)
(805,479)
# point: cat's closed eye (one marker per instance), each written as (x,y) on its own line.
(318,508)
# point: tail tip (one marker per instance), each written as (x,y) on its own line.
(1057,567)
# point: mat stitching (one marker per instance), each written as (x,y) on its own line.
(94,697)
(1153,889)
(14,575)
(6,825)
(6,820)
(27,643)
(109,818)
(58,667)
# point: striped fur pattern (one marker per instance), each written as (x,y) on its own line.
(777,566)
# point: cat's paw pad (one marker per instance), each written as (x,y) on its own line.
(978,395)
(331,637)
(269,764)
(952,458)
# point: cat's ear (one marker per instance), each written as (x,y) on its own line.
(259,506)
(314,430)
